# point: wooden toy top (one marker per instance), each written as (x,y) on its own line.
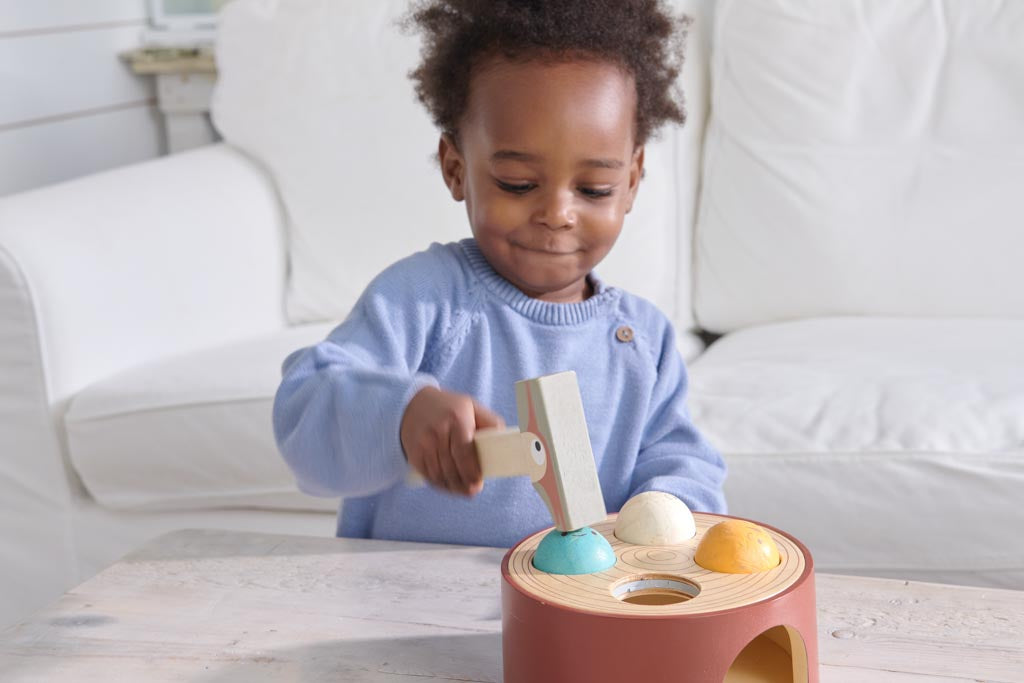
(596,592)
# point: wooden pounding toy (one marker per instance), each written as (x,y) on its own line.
(550,407)
(552,447)
(657,615)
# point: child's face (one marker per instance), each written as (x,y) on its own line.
(547,166)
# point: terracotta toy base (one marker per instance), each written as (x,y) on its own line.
(657,616)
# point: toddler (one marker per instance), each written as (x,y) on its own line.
(543,108)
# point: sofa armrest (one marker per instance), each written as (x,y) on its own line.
(100,274)
(146,261)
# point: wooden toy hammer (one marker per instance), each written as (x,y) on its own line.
(551,446)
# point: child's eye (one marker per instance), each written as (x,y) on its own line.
(515,188)
(595,193)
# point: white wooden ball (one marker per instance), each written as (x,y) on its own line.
(655,518)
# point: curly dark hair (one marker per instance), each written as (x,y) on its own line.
(641,36)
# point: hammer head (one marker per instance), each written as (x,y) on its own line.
(551,408)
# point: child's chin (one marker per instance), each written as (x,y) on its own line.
(542,288)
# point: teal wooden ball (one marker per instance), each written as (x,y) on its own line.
(583,551)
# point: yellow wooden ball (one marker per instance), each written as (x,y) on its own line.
(737,547)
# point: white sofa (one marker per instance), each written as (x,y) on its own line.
(840,217)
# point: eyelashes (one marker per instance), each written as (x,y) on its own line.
(523,188)
(515,188)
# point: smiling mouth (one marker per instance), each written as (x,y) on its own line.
(549,252)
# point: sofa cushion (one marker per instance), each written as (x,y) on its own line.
(192,431)
(883,444)
(318,93)
(872,167)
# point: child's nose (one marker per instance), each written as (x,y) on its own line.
(556,210)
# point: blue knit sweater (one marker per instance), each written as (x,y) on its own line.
(445,318)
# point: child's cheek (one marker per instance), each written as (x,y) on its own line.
(500,214)
(615,211)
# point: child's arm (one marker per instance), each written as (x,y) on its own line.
(674,457)
(339,410)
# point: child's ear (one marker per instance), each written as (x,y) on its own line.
(636,172)
(453,167)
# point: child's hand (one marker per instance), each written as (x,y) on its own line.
(437,435)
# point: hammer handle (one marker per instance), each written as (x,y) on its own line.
(504,453)
(510,453)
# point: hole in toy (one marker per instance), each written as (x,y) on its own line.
(655,589)
(776,656)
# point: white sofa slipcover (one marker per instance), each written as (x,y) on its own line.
(190,431)
(881,442)
(97,276)
(864,159)
(892,443)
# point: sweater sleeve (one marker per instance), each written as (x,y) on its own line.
(674,457)
(338,410)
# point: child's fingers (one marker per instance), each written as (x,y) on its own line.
(427,457)
(486,418)
(450,472)
(465,458)
(430,466)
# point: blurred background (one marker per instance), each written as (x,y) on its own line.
(86,86)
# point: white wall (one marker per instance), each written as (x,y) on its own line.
(68,105)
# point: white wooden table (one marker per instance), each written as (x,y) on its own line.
(215,606)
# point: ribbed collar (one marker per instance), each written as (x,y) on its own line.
(540,311)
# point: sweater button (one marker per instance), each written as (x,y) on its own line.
(624,334)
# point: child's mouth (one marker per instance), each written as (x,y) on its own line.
(548,251)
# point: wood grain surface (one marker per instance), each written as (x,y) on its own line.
(593,592)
